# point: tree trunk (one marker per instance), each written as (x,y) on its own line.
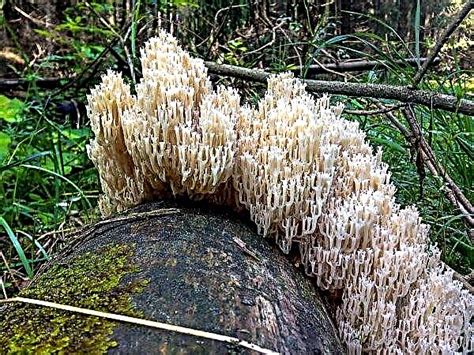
(197,268)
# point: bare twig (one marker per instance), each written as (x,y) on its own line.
(93,65)
(293,46)
(241,244)
(3,288)
(468,6)
(32,19)
(138,216)
(123,40)
(399,93)
(268,44)
(414,136)
(326,69)
(5,262)
(395,122)
(227,9)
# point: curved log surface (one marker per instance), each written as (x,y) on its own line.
(205,270)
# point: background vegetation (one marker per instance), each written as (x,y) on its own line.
(54,52)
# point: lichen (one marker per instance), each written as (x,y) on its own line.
(93,280)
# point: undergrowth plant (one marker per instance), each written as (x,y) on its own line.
(45,180)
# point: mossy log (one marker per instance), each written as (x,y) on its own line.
(187,266)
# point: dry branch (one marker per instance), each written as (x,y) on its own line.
(453,192)
(415,138)
(48,83)
(380,91)
(358,65)
(442,40)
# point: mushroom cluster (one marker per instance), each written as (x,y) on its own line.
(175,137)
(306,176)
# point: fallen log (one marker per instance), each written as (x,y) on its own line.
(191,267)
(46,83)
(358,65)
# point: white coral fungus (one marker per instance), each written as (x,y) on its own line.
(307,178)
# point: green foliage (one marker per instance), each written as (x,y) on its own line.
(236,49)
(451,136)
(11,109)
(44,172)
(5,141)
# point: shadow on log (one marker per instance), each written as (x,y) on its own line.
(187,266)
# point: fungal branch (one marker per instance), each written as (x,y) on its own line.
(307,177)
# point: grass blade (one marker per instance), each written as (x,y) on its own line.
(18,248)
(32,157)
(417,31)
(61,177)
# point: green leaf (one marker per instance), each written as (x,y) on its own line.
(81,193)
(5,141)
(388,143)
(76,133)
(11,109)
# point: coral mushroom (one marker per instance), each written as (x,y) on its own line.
(306,176)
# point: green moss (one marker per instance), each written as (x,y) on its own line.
(92,280)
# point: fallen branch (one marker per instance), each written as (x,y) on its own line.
(453,192)
(380,91)
(357,65)
(415,138)
(42,82)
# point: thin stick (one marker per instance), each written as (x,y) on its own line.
(138,215)
(41,82)
(468,6)
(416,129)
(148,323)
(453,192)
(32,19)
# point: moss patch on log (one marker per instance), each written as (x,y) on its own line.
(91,280)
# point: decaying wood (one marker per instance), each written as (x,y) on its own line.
(209,271)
